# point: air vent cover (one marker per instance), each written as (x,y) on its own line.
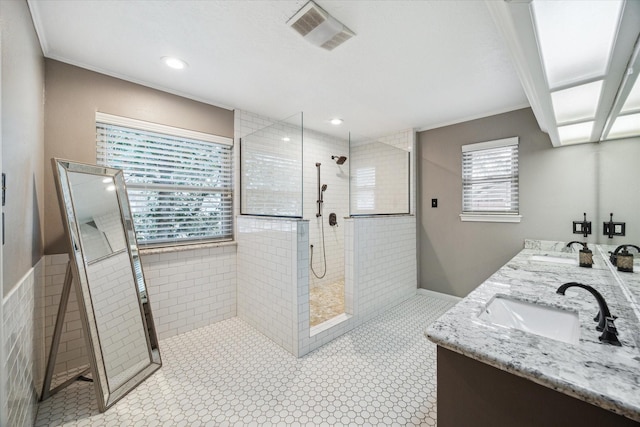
(318,27)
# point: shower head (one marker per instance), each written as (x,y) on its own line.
(324,187)
(339,159)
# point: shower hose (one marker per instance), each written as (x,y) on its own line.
(324,252)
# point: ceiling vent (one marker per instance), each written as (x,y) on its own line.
(318,27)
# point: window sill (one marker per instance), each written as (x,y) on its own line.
(490,218)
(182,248)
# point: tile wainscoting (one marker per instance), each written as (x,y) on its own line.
(23,349)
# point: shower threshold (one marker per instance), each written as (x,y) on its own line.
(328,324)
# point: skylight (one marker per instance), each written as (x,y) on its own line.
(575,40)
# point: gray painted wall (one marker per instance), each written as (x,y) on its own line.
(556,186)
(619,189)
(73,97)
(22,141)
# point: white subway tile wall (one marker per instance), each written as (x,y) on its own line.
(268,277)
(23,349)
(381,273)
(72,352)
(384,263)
(191,289)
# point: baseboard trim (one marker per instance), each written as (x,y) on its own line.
(440,295)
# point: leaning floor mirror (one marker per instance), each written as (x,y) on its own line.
(109,282)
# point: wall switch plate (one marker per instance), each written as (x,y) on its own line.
(434,203)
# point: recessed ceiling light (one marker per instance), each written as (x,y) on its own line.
(111,188)
(106,180)
(336,121)
(175,63)
(286,139)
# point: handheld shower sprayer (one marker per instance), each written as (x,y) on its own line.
(322,190)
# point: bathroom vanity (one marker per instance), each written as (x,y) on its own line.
(496,375)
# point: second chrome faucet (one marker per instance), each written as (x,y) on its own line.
(604,317)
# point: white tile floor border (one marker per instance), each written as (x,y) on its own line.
(381,373)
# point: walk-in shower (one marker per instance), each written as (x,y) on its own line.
(326,287)
(296,174)
(361,186)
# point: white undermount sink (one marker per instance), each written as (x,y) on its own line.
(550,322)
(554,259)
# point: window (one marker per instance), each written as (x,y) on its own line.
(490,181)
(365,189)
(179,182)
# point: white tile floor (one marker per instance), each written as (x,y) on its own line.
(382,373)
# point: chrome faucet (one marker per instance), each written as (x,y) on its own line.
(575,241)
(604,317)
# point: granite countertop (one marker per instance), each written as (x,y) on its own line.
(602,374)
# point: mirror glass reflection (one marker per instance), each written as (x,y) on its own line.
(113,286)
(109,278)
(98,215)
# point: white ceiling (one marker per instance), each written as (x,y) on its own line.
(91,197)
(412,64)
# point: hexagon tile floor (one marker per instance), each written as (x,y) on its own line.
(381,373)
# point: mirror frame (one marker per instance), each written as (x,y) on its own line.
(104,395)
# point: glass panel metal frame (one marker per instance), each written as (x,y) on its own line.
(271,170)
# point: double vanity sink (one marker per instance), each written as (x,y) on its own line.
(517,322)
(543,320)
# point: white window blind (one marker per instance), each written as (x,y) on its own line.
(490,177)
(365,188)
(180,188)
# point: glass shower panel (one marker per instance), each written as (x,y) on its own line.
(380,179)
(271,170)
